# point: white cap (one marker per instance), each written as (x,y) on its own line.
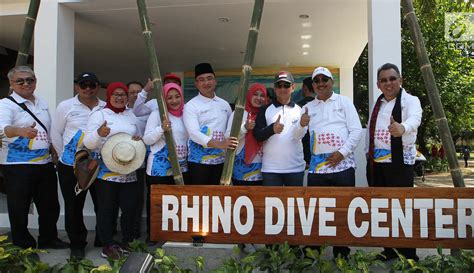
(322,70)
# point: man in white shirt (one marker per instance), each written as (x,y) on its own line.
(391,139)
(278,124)
(335,131)
(25,161)
(68,129)
(205,118)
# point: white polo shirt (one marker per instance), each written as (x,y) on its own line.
(69,126)
(206,119)
(411,120)
(334,126)
(124,122)
(20,150)
(158,162)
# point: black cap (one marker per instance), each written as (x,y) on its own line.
(87,76)
(202,68)
(284,76)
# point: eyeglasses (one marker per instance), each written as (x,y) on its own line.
(285,85)
(119,95)
(21,81)
(204,79)
(322,79)
(390,79)
(84,85)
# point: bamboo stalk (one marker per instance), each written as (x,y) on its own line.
(158,88)
(243,88)
(433,93)
(28,29)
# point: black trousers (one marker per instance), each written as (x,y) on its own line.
(385,175)
(345,178)
(111,196)
(74,205)
(204,174)
(26,182)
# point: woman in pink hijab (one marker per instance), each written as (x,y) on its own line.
(158,167)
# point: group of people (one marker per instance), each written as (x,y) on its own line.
(201,132)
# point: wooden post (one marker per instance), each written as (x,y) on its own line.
(158,88)
(433,93)
(243,88)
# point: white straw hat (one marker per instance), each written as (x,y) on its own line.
(123,155)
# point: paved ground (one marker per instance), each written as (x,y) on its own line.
(214,254)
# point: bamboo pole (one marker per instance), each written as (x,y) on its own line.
(243,88)
(28,29)
(158,88)
(433,93)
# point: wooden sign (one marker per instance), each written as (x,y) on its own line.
(390,217)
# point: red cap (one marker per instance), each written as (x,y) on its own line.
(173,77)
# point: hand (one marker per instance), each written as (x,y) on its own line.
(28,132)
(277,126)
(335,158)
(166,125)
(103,130)
(149,86)
(250,124)
(395,128)
(230,143)
(304,121)
(136,137)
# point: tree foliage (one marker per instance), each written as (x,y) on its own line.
(452,68)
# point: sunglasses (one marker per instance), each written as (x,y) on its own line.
(390,79)
(21,81)
(84,85)
(322,79)
(285,85)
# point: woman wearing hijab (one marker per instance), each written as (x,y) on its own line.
(158,168)
(248,158)
(114,190)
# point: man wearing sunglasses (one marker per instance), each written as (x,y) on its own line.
(335,131)
(278,124)
(25,161)
(391,150)
(67,132)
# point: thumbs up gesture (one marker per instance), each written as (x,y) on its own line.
(304,121)
(396,129)
(103,130)
(28,132)
(277,126)
(250,124)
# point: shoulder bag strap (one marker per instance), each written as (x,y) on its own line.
(23,106)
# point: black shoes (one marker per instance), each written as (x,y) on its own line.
(54,244)
(78,253)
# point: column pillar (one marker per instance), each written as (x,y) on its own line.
(54,52)
(384,40)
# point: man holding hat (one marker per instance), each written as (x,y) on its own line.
(205,118)
(335,131)
(68,128)
(278,124)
